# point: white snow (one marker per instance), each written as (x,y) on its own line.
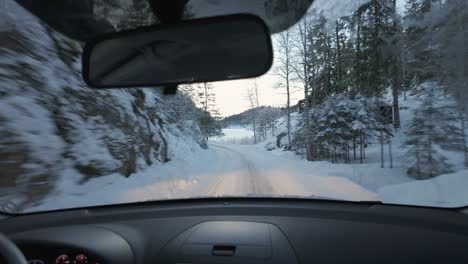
(235,132)
(222,170)
(444,191)
(236,135)
(287,174)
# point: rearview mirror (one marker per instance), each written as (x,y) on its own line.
(203,50)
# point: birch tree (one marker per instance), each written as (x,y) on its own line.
(251,97)
(285,71)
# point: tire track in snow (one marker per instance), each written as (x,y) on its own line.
(258,185)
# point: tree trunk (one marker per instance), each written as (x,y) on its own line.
(289,114)
(463,127)
(376,66)
(328,87)
(338,50)
(334,155)
(306,116)
(303,32)
(206,98)
(390,155)
(364,149)
(354,147)
(309,154)
(429,137)
(288,104)
(358,55)
(403,72)
(461,72)
(396,105)
(361,148)
(396,74)
(348,153)
(254,125)
(259,138)
(382,165)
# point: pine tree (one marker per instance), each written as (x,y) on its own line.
(427,132)
(339,44)
(373,21)
(321,59)
(333,128)
(365,123)
(348,55)
(421,63)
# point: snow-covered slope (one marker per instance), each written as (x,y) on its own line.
(447,190)
(53,126)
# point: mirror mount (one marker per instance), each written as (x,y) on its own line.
(170,89)
(168,12)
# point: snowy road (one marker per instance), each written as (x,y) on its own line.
(263,173)
(222,170)
(244,181)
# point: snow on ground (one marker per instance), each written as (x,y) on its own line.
(248,170)
(178,178)
(222,170)
(236,135)
(444,191)
(288,175)
(234,132)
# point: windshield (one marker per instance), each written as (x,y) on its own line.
(365,102)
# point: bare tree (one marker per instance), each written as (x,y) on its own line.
(302,71)
(253,101)
(285,71)
(261,115)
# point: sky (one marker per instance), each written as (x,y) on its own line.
(231,95)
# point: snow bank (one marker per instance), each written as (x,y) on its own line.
(189,174)
(443,191)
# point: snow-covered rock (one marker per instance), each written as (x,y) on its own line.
(52,124)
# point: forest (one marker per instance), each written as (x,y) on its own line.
(356,70)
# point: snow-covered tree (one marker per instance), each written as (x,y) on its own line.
(333,128)
(366,123)
(432,129)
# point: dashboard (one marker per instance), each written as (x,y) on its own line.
(73,245)
(242,231)
(60,259)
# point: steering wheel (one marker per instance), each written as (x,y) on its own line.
(10,252)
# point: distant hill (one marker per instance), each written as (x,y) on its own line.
(245,118)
